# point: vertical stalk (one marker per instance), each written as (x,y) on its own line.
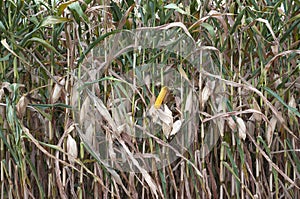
(133,108)
(2,155)
(286,148)
(51,178)
(222,174)
(145,124)
(241,102)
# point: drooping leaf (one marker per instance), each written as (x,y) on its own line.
(291,109)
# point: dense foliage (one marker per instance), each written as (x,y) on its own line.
(44,46)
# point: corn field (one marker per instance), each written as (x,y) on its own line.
(149,99)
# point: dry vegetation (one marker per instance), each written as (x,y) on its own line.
(50,50)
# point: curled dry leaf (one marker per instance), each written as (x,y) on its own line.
(207,91)
(85,109)
(257,116)
(251,125)
(274,49)
(153,113)
(241,128)
(58,90)
(5,89)
(71,149)
(21,106)
(167,110)
(176,127)
(183,74)
(165,115)
(171,130)
(189,101)
(231,123)
(270,130)
(89,134)
(292,103)
(166,130)
(205,95)
(165,119)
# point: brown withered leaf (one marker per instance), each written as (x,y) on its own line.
(57,90)
(21,106)
(241,128)
(71,149)
(270,130)
(257,116)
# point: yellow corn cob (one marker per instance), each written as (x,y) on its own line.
(162,94)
